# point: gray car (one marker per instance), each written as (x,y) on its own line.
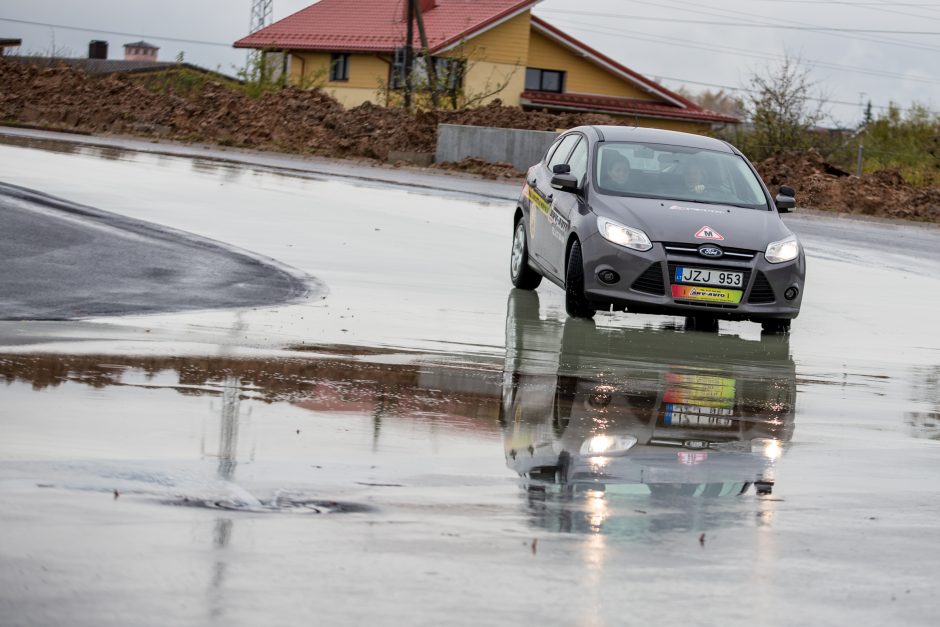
(654,221)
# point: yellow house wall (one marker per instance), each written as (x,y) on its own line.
(581,76)
(496,57)
(507,43)
(483,78)
(367,73)
(669,125)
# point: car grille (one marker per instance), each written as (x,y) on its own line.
(651,281)
(678,249)
(761,292)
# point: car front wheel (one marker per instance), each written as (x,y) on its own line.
(521,274)
(576,304)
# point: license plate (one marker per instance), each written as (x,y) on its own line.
(703,276)
(706,294)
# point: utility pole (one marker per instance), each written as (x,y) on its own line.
(429,61)
(409,52)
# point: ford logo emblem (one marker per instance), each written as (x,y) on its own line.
(709,250)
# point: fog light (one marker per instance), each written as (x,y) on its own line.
(791,293)
(608,276)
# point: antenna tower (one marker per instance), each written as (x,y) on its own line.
(261,12)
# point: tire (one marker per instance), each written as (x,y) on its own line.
(576,304)
(520,273)
(775,327)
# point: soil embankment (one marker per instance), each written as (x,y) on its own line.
(312,122)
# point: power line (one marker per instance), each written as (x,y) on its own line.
(724,13)
(869,6)
(821,29)
(687,43)
(750,21)
(114,32)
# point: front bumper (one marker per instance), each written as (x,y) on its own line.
(645,280)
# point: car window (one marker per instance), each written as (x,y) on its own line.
(551,150)
(578,161)
(563,150)
(677,173)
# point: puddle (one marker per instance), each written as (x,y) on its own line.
(278,505)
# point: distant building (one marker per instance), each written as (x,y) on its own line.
(483,50)
(98,63)
(140,51)
(9,43)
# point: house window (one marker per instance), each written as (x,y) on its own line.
(544,80)
(339,66)
(449,72)
(397,72)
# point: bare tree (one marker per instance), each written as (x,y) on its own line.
(783,105)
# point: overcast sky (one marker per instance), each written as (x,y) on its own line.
(664,39)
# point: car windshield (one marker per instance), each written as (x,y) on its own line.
(677,173)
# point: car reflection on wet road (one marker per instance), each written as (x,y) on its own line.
(631,412)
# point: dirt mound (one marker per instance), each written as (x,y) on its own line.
(287,120)
(822,185)
(312,122)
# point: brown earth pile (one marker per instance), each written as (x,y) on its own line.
(824,186)
(288,120)
(312,122)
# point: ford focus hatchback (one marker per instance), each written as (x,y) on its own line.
(652,221)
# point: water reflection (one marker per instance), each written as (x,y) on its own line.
(925,422)
(658,416)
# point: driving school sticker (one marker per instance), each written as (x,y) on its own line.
(707,232)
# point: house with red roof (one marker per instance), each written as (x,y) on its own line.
(482,50)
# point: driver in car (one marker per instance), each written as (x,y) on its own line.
(617,172)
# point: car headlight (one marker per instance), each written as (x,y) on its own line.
(606,445)
(784,250)
(623,235)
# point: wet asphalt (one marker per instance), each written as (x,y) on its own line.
(421,446)
(62,261)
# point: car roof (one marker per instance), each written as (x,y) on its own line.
(656,136)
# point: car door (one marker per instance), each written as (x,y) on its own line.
(541,195)
(564,205)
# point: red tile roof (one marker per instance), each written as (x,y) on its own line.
(379,25)
(621,106)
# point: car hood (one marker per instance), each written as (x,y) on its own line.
(678,221)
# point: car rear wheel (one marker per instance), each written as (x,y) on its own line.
(576,304)
(775,327)
(521,274)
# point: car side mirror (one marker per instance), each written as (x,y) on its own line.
(785,199)
(561,168)
(565,182)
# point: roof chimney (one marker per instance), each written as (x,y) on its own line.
(97,49)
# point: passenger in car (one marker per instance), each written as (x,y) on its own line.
(694,178)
